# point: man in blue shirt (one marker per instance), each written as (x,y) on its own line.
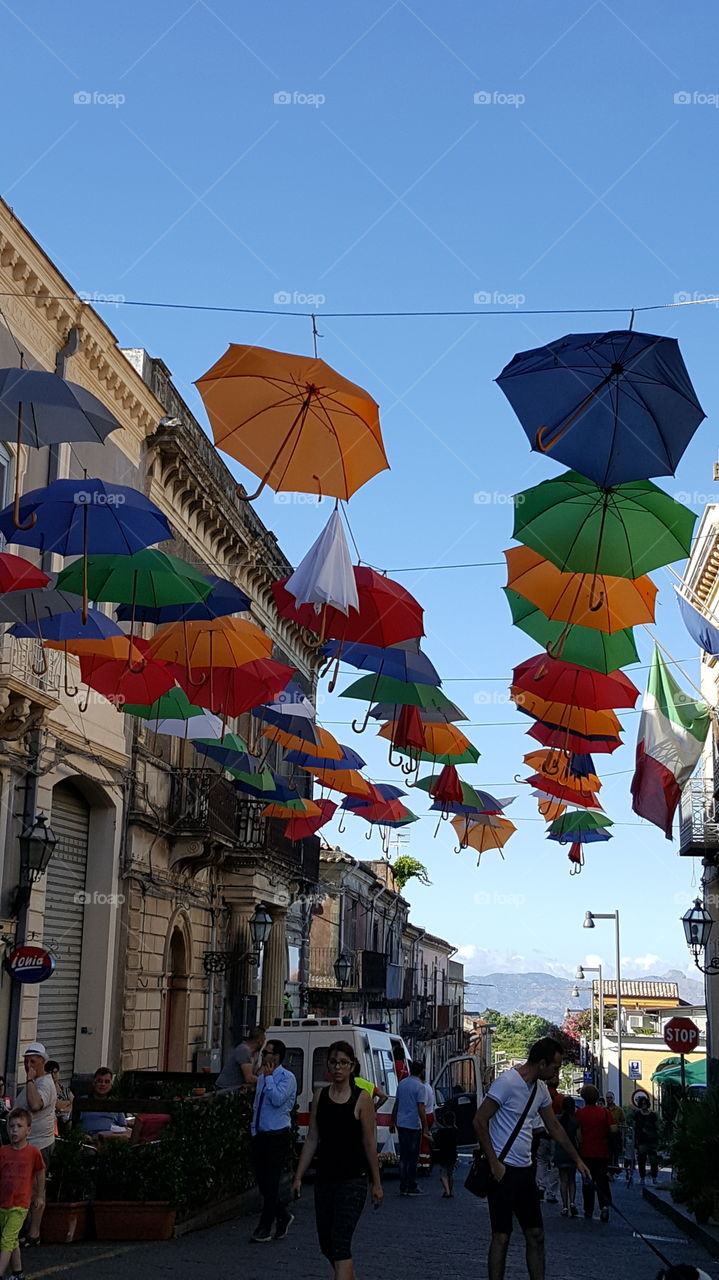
(410,1118)
(270,1128)
(106,1124)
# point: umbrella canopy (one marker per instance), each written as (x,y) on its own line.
(575,825)
(224,598)
(550,809)
(119,683)
(201,725)
(399,693)
(217,642)
(147,577)
(298,828)
(562,765)
(292,807)
(443,744)
(617,406)
(565,682)
(404,661)
(327,743)
(233,690)
(231,752)
(387,612)
(701,630)
(75,516)
(18,574)
(69,627)
(573,597)
(549,789)
(31,607)
(624,531)
(420,715)
(578,719)
(348,781)
(582,645)
(670,1071)
(297,726)
(324,576)
(349,760)
(293,421)
(483,834)
(49,410)
(291,703)
(390,813)
(173,704)
(555,735)
(471,799)
(263,785)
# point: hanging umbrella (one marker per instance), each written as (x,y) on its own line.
(217,642)
(69,626)
(549,789)
(324,576)
(403,661)
(551,809)
(396,692)
(618,406)
(18,574)
(582,645)
(443,744)
(392,813)
(562,765)
(348,781)
(233,690)
(146,577)
(232,752)
(577,828)
(200,725)
(555,735)
(39,409)
(625,531)
(481,801)
(174,704)
(565,682)
(483,833)
(291,703)
(327,743)
(263,785)
(578,719)
(224,598)
(122,679)
(300,827)
(701,630)
(572,597)
(293,421)
(424,715)
(387,612)
(32,607)
(291,807)
(297,726)
(349,760)
(75,516)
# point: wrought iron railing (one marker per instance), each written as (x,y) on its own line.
(23,659)
(322,976)
(698,825)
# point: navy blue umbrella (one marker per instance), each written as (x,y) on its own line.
(349,760)
(407,664)
(224,599)
(73,517)
(614,406)
(68,626)
(700,629)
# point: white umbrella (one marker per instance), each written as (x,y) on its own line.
(203,725)
(324,576)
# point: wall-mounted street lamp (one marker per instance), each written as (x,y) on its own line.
(37,845)
(698,925)
(343,968)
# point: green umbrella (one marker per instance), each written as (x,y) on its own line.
(469,756)
(569,823)
(469,795)
(581,645)
(174,705)
(150,578)
(263,781)
(626,530)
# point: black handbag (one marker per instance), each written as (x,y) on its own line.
(479,1179)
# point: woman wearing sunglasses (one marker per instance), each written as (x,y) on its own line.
(343,1133)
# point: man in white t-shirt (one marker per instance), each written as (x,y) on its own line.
(514,1190)
(39,1096)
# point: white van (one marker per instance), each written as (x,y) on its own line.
(458,1085)
(307,1041)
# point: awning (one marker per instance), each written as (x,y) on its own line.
(670,1072)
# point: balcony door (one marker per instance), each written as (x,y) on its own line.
(176,1006)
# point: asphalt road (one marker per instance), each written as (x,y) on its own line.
(425,1238)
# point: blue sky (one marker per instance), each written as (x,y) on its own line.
(151,160)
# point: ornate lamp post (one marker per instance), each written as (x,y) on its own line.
(698,925)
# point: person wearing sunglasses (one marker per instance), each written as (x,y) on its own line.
(270,1128)
(343,1133)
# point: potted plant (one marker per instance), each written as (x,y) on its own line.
(68,1188)
(134,1198)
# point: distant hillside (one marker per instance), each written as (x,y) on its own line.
(547,995)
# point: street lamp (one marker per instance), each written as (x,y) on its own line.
(575,992)
(698,925)
(342,967)
(37,845)
(260,924)
(589,918)
(580,972)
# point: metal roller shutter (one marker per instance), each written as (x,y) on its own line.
(64,916)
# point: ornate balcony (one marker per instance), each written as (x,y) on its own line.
(698,825)
(27,692)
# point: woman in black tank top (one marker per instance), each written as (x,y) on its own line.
(343,1133)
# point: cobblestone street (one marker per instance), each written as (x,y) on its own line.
(427,1238)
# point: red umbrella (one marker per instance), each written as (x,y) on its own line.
(448,787)
(552,735)
(298,828)
(116,682)
(18,574)
(558,681)
(231,691)
(408,730)
(547,787)
(387,612)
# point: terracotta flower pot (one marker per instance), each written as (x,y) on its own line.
(133,1219)
(64,1222)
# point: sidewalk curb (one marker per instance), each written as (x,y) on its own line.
(708,1238)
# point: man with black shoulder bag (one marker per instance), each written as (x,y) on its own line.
(503,1125)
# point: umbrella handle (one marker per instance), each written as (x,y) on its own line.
(298,422)
(594,608)
(542,444)
(364,723)
(341,825)
(40,671)
(70,693)
(368,834)
(395,762)
(436,830)
(16,501)
(83,708)
(335,677)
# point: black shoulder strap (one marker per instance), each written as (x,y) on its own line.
(515,1132)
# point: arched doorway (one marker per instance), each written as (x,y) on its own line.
(177,1002)
(63,924)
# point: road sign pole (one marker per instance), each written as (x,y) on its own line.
(684,1077)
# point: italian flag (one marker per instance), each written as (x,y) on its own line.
(672,732)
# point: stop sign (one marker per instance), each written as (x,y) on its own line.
(681,1035)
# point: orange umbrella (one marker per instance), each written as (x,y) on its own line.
(557,765)
(588,723)
(348,781)
(568,597)
(551,809)
(215,642)
(293,421)
(327,748)
(308,809)
(111,649)
(485,831)
(439,739)
(548,789)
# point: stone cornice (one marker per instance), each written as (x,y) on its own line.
(28,275)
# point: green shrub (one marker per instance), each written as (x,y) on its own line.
(694,1145)
(71,1172)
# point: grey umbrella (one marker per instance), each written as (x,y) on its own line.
(32,606)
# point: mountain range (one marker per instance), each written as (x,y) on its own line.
(548,995)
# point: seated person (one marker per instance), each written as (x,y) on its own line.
(99,1124)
